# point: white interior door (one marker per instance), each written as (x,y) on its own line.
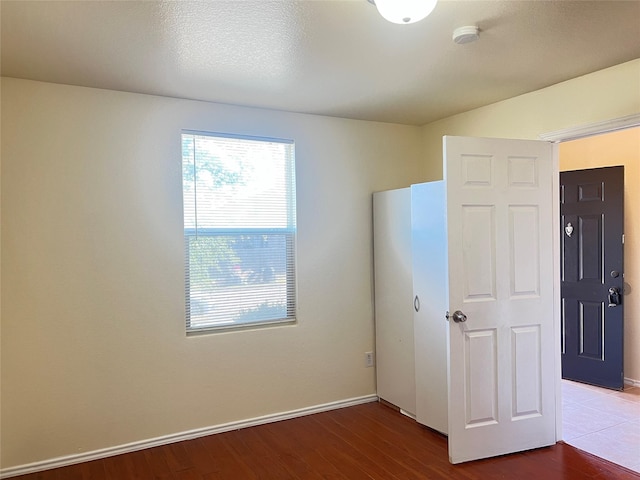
(502,374)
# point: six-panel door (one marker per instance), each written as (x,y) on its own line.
(500,204)
(591,207)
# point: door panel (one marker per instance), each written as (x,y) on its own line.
(395,371)
(524,251)
(591,249)
(527,380)
(481,378)
(590,246)
(590,331)
(430,284)
(501,275)
(478,227)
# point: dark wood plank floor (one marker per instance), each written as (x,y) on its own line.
(370,441)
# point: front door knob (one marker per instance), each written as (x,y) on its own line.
(614,297)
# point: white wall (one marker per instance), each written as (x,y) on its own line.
(94,352)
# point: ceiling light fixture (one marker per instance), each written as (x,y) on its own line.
(404,11)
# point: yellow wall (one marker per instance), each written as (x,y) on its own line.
(619,148)
(94,352)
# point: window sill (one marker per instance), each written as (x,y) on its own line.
(236,327)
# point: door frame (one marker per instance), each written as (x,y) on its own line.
(558,136)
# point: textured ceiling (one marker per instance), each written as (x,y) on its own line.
(328,57)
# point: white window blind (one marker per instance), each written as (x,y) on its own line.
(239,230)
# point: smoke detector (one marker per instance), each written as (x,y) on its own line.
(466,34)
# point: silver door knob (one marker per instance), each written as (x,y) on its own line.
(457,316)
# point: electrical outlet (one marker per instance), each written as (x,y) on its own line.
(369,359)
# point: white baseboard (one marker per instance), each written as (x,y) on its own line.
(178,437)
(632,382)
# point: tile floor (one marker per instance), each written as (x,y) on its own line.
(603,422)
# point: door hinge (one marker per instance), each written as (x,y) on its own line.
(623,238)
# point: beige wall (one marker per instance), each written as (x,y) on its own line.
(608,94)
(93,346)
(619,148)
(94,352)
(604,95)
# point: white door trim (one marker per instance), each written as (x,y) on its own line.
(557,136)
(587,130)
(556,288)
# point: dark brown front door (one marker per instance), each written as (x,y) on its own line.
(591,215)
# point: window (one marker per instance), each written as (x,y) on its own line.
(239,230)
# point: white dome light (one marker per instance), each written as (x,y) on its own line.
(405,11)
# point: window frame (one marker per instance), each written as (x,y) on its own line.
(289,233)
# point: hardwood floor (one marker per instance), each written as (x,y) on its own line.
(370,441)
